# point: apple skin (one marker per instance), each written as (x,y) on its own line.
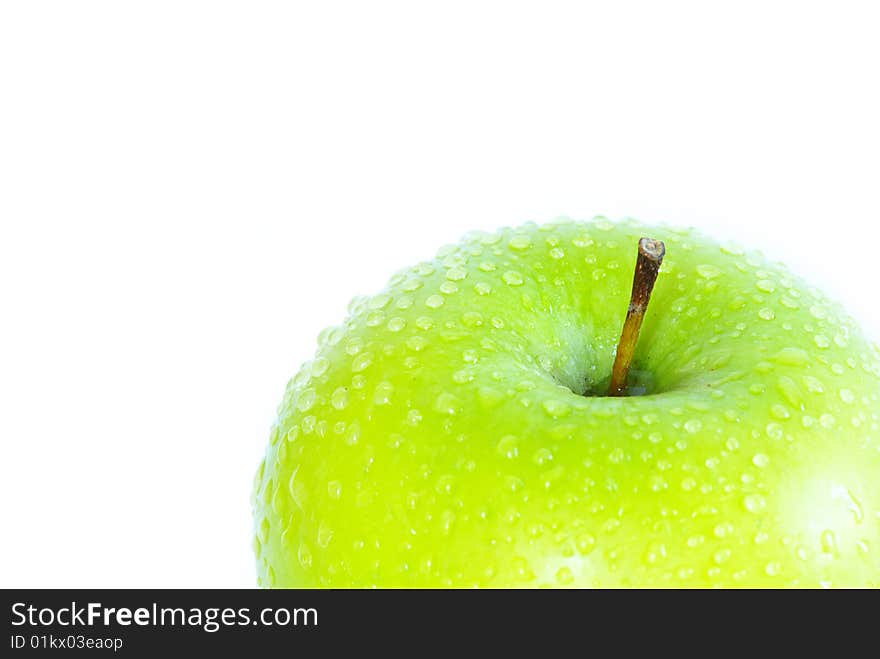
(440,436)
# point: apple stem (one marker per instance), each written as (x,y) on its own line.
(651,253)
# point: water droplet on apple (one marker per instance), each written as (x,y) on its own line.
(723,530)
(508,446)
(448,288)
(695,541)
(654,553)
(325,535)
(779,411)
(482,288)
(468,357)
(693,426)
(383,393)
(446,403)
(755,503)
(353,434)
(375,318)
(616,456)
(789,389)
(319,366)
(434,301)
(330,336)
(361,362)
(556,408)
(456,274)
(396,324)
(521,568)
(257,546)
(444,484)
(417,343)
(564,576)
(411,285)
(542,456)
(447,521)
(792,357)
(306,399)
(585,543)
(520,242)
(760,460)
(379,301)
(304,556)
(844,494)
(828,542)
(513,278)
(263,531)
(722,556)
(308,424)
(708,271)
(298,490)
(339,398)
(472,319)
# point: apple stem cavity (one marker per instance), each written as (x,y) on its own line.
(651,253)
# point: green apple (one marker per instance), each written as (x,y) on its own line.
(455,429)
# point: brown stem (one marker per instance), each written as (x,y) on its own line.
(651,254)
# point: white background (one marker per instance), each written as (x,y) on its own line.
(190,191)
